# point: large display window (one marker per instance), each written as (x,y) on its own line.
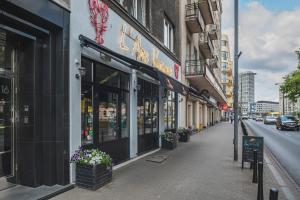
(147,115)
(105,109)
(170,110)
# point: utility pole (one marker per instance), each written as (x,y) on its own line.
(236,78)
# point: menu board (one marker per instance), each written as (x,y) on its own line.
(251,143)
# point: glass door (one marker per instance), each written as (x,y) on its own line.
(7,102)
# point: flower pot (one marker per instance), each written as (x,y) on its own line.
(168,145)
(184,137)
(93,176)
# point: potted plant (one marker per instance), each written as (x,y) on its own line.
(184,134)
(169,140)
(93,168)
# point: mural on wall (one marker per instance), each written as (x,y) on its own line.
(98,17)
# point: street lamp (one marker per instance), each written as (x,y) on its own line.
(283,108)
(237,54)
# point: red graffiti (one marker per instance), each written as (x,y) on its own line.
(98,16)
(176,70)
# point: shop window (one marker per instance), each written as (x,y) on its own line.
(168,34)
(170,110)
(147,110)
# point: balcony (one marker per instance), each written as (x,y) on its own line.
(216,5)
(213,31)
(214,62)
(193,18)
(206,11)
(201,77)
(206,46)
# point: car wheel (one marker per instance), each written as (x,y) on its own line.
(277,127)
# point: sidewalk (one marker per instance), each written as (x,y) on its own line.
(199,170)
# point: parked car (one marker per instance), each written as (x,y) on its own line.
(259,119)
(287,122)
(269,120)
(245,117)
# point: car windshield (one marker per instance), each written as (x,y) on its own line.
(288,118)
(269,117)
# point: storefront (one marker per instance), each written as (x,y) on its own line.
(124,89)
(34,93)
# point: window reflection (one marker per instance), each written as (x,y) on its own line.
(170,110)
(147,109)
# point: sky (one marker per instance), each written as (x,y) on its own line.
(269,34)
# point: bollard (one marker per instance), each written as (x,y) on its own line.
(273,194)
(260,190)
(254,177)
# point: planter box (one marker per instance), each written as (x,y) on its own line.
(93,177)
(184,137)
(168,145)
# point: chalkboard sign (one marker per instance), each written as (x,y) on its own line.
(249,144)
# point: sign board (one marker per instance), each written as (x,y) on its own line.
(249,144)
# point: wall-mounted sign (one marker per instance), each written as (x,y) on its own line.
(98,17)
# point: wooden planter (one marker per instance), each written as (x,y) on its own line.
(92,177)
(184,137)
(168,145)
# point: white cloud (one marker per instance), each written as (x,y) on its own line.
(268,40)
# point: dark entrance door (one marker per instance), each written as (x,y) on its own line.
(111,107)
(147,116)
(105,109)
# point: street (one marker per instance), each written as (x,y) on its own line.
(283,144)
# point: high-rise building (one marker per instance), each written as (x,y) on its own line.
(246,90)
(226,70)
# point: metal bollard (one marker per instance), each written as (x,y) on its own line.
(254,177)
(260,190)
(273,194)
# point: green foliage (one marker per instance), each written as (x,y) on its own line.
(169,136)
(291,84)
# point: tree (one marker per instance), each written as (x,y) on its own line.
(291,85)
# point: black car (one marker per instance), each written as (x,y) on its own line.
(287,122)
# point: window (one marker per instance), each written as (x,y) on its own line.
(139,9)
(224,65)
(188,49)
(224,43)
(224,55)
(170,107)
(168,35)
(147,108)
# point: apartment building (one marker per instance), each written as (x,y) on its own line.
(200,31)
(246,90)
(288,107)
(226,70)
(263,107)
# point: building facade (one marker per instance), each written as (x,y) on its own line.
(264,107)
(226,69)
(288,107)
(34,100)
(246,91)
(200,31)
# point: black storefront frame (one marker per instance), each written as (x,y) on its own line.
(112,147)
(44,151)
(148,141)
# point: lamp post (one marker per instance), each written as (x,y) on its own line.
(237,54)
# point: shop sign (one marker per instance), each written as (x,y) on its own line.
(98,17)
(140,53)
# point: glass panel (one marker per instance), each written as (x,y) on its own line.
(155,115)
(86,114)
(107,76)
(7,98)
(108,110)
(140,107)
(148,117)
(88,65)
(124,115)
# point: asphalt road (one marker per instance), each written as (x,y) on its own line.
(285,146)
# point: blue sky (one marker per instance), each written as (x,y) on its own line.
(275,5)
(268,36)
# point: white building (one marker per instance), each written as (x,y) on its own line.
(263,107)
(286,106)
(246,90)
